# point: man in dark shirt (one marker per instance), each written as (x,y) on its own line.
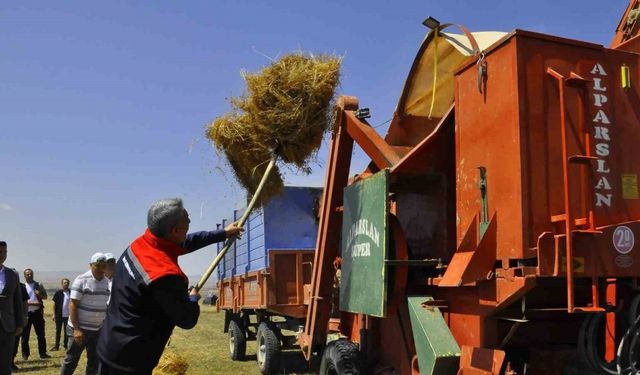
(25,299)
(11,313)
(149,292)
(61,313)
(35,314)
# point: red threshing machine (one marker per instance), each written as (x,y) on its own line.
(494,229)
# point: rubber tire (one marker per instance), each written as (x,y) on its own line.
(237,341)
(341,357)
(588,340)
(627,362)
(270,354)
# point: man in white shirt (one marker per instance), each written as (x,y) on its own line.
(61,300)
(35,314)
(87,309)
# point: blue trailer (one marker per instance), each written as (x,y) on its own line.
(267,274)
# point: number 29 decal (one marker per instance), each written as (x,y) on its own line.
(623,239)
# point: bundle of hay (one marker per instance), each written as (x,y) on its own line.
(287,107)
(171,364)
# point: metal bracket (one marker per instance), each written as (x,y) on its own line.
(482,71)
(363,113)
(484,214)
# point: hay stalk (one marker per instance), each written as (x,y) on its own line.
(241,222)
(287,106)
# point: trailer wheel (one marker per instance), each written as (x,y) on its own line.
(237,340)
(268,348)
(341,357)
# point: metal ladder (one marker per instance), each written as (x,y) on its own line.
(572,226)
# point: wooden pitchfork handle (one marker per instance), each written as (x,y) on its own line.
(241,222)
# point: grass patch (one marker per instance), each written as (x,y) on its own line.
(203,347)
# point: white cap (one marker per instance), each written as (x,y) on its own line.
(98,257)
(109,256)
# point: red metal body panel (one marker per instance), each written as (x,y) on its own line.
(279,289)
(517,123)
(486,127)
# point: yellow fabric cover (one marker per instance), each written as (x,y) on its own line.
(452,50)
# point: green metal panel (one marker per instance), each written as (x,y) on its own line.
(438,351)
(363,284)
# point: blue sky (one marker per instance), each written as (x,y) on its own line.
(103,105)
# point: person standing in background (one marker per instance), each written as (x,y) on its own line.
(111,267)
(88,306)
(61,313)
(24,297)
(109,271)
(37,294)
(11,314)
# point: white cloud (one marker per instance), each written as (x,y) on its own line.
(5,207)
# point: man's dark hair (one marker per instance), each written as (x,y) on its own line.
(65,279)
(2,243)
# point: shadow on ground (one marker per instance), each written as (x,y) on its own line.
(291,362)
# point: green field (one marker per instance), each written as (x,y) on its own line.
(204,347)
